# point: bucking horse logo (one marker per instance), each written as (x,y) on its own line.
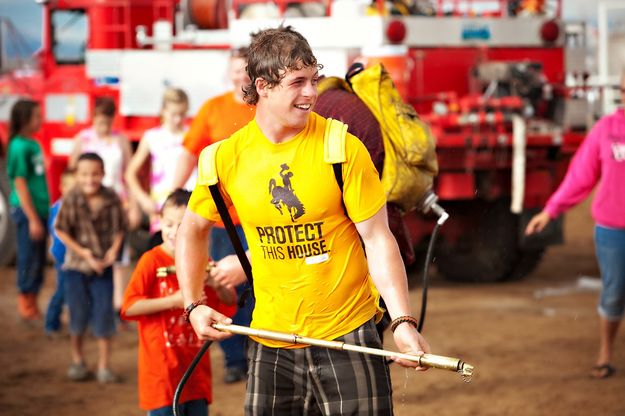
(284,196)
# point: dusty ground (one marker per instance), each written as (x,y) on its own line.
(532,343)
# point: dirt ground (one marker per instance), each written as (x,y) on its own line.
(532,343)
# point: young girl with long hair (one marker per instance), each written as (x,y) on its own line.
(160,145)
(29,201)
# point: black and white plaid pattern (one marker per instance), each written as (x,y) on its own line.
(319,381)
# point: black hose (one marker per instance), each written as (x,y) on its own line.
(187,374)
(426,267)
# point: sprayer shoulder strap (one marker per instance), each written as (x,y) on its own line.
(208,176)
(207,165)
(334,150)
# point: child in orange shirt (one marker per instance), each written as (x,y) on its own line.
(167,343)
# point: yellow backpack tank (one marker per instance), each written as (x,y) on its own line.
(410,163)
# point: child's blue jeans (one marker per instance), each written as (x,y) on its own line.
(90,302)
(31,255)
(610,248)
(55,307)
(190,408)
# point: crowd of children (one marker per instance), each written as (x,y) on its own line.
(103,196)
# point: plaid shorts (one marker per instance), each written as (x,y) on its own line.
(319,381)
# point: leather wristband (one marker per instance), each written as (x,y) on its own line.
(188,309)
(402,319)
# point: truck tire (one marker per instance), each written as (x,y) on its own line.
(527,263)
(488,250)
(8,243)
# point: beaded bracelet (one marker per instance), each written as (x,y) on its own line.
(188,309)
(401,319)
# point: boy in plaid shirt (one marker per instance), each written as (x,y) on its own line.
(91,223)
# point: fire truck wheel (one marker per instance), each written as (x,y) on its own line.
(486,250)
(528,260)
(7,228)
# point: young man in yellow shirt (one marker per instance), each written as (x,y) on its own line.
(311,275)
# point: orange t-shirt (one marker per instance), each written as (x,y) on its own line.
(217,119)
(167,343)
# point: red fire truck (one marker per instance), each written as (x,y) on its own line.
(488,76)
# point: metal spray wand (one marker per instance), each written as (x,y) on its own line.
(425,360)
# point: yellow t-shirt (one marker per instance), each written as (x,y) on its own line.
(310,273)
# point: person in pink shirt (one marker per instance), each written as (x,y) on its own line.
(161,146)
(600,160)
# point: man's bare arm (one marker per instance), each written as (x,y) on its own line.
(389,275)
(191,259)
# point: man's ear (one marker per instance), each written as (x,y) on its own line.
(262,87)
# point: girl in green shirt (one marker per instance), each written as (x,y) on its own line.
(29,203)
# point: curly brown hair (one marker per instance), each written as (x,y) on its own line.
(272,53)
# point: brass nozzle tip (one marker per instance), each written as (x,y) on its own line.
(466,371)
